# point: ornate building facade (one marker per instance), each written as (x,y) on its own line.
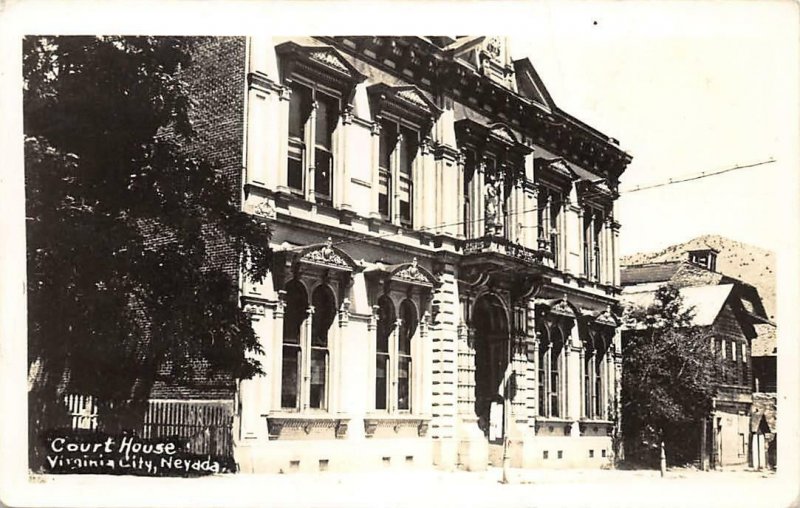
(444,235)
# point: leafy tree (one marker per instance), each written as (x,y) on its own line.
(122,218)
(668,380)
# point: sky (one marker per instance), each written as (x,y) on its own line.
(686,89)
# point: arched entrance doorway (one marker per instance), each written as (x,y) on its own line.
(490,323)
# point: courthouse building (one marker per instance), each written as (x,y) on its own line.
(440,227)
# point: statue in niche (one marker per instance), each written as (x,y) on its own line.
(492,193)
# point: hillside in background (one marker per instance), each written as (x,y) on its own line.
(736,259)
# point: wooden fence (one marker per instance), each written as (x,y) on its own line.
(206,425)
(82,411)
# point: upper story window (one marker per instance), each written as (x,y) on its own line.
(493,164)
(399,145)
(405,116)
(550,205)
(313,117)
(319,80)
(592,239)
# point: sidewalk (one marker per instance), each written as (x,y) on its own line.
(421,488)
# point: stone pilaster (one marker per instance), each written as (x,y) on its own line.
(254,393)
(443,335)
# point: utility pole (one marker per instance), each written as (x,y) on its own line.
(663,460)
(507,412)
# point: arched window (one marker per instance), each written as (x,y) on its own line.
(594,387)
(385,327)
(295,316)
(324,313)
(544,345)
(588,354)
(305,364)
(554,371)
(599,356)
(394,355)
(408,327)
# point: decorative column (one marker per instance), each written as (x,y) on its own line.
(428,187)
(582,374)
(608,253)
(305,385)
(310,153)
(283,139)
(479,222)
(610,384)
(376,150)
(462,228)
(341,177)
(337,352)
(254,393)
(394,197)
(277,350)
(532,217)
(423,390)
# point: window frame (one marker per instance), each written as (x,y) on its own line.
(394,174)
(394,355)
(305,350)
(309,146)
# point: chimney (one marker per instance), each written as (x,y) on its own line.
(707,258)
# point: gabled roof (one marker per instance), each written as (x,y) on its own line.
(651,272)
(707,301)
(530,85)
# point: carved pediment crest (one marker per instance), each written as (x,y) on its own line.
(330,59)
(560,166)
(414,97)
(414,274)
(502,132)
(562,308)
(326,58)
(328,256)
(559,307)
(606,318)
(407,97)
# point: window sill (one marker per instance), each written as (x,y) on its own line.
(306,425)
(590,427)
(553,426)
(386,425)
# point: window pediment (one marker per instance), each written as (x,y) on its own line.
(322,63)
(326,256)
(559,307)
(411,274)
(602,318)
(403,101)
(557,167)
(497,137)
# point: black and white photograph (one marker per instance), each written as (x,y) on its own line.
(300,254)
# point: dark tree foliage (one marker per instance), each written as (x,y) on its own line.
(121,216)
(668,380)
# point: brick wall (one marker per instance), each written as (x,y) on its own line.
(216,79)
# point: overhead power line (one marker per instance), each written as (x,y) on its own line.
(432,229)
(697,176)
